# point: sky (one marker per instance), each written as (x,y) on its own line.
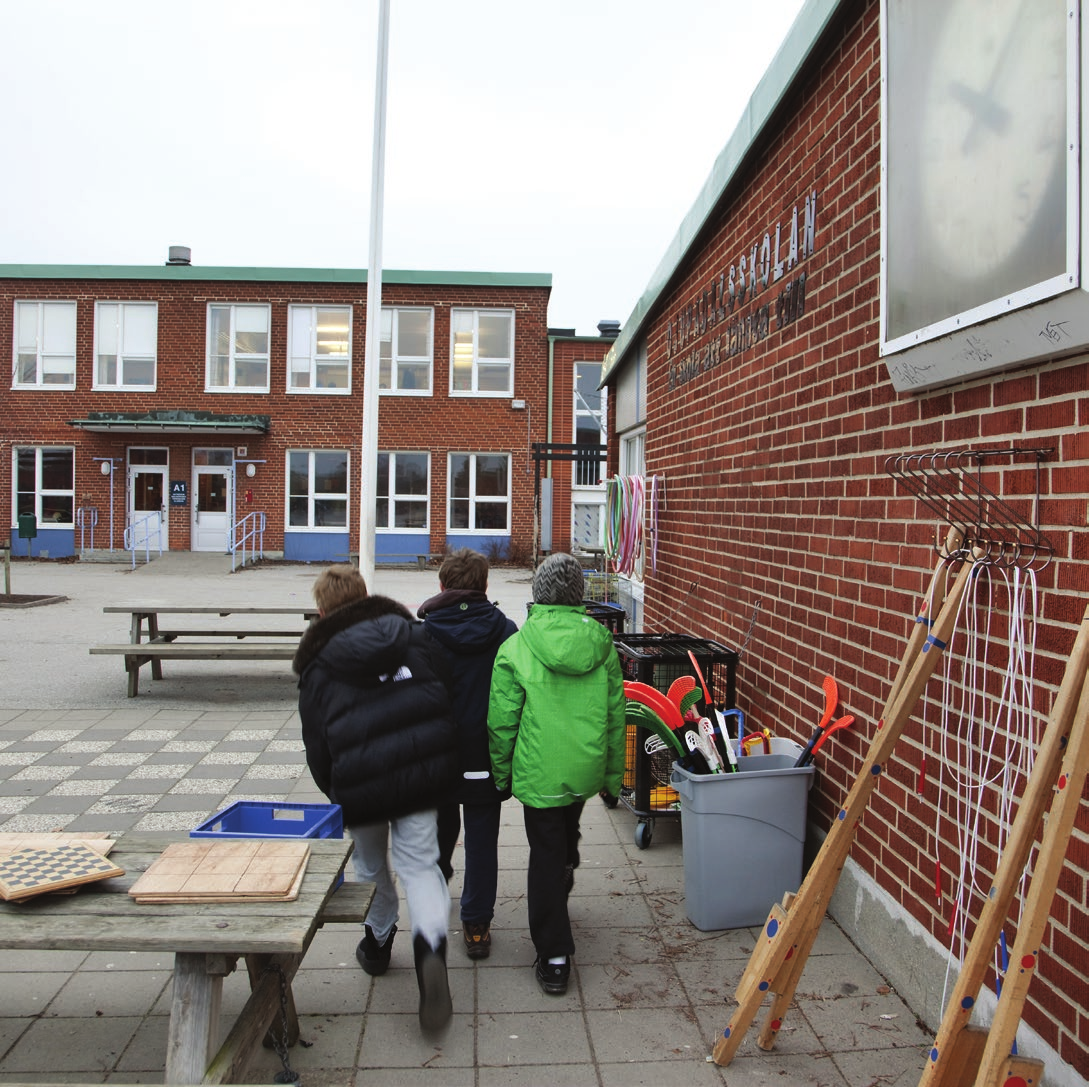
(568,137)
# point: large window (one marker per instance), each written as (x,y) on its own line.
(483,351)
(238,339)
(402,491)
(589,421)
(45,485)
(126,340)
(980,150)
(319,349)
(45,345)
(479,498)
(405,351)
(317,489)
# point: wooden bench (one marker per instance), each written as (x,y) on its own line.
(150,644)
(141,653)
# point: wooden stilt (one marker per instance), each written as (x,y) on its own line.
(788,935)
(1068,719)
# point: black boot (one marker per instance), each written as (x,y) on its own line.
(373,956)
(435,1004)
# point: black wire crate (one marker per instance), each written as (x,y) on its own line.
(657,660)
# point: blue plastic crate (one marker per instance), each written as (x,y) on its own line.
(269,819)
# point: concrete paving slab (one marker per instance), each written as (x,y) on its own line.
(649,991)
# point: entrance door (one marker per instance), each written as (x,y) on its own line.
(211,508)
(147,507)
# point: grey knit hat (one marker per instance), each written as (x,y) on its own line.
(558,580)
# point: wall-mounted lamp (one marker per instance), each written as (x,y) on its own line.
(518,405)
(107,467)
(251,470)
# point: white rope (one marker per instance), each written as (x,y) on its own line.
(988,742)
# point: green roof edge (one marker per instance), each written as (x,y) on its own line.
(196,272)
(785,68)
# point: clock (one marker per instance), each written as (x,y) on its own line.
(992,145)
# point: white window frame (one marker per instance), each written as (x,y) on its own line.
(234,357)
(392,497)
(475,362)
(310,363)
(312,496)
(50,357)
(41,493)
(122,354)
(390,333)
(473,499)
(633,452)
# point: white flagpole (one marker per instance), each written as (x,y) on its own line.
(369,445)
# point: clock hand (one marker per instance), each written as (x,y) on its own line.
(997,68)
(985,110)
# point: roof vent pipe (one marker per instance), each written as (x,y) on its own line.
(609,329)
(180,254)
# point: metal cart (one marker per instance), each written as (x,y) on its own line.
(657,660)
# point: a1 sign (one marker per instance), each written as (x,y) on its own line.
(179,495)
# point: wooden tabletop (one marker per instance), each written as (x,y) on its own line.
(146,607)
(102,916)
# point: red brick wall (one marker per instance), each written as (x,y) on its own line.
(438,423)
(777,494)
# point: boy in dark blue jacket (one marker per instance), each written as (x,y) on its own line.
(470,629)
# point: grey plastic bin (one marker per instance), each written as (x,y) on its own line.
(743,837)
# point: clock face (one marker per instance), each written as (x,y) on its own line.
(993,138)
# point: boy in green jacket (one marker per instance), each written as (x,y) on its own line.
(556,734)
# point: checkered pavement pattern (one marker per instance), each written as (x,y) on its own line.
(147,776)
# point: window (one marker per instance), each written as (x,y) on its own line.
(44,485)
(633,453)
(238,348)
(402,491)
(589,422)
(479,498)
(405,351)
(126,338)
(483,351)
(979,176)
(317,489)
(319,349)
(45,345)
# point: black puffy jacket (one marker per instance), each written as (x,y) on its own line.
(470,629)
(376,718)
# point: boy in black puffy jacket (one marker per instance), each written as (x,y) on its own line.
(381,742)
(470,629)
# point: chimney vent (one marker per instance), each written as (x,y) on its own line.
(182,254)
(609,329)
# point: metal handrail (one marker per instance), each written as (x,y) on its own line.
(254,532)
(130,537)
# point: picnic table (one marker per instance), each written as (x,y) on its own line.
(244,639)
(206,941)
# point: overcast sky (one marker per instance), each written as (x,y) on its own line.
(568,137)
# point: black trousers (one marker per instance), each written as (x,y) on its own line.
(553,835)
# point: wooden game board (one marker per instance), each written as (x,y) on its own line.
(241,870)
(32,871)
(99,840)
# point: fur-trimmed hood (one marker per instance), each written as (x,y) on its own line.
(323,630)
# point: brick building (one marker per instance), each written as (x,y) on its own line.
(885,263)
(162,406)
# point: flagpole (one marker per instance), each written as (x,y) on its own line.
(369,445)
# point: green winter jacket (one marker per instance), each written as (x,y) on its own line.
(556,713)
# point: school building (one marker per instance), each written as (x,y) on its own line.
(183,407)
(871,327)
